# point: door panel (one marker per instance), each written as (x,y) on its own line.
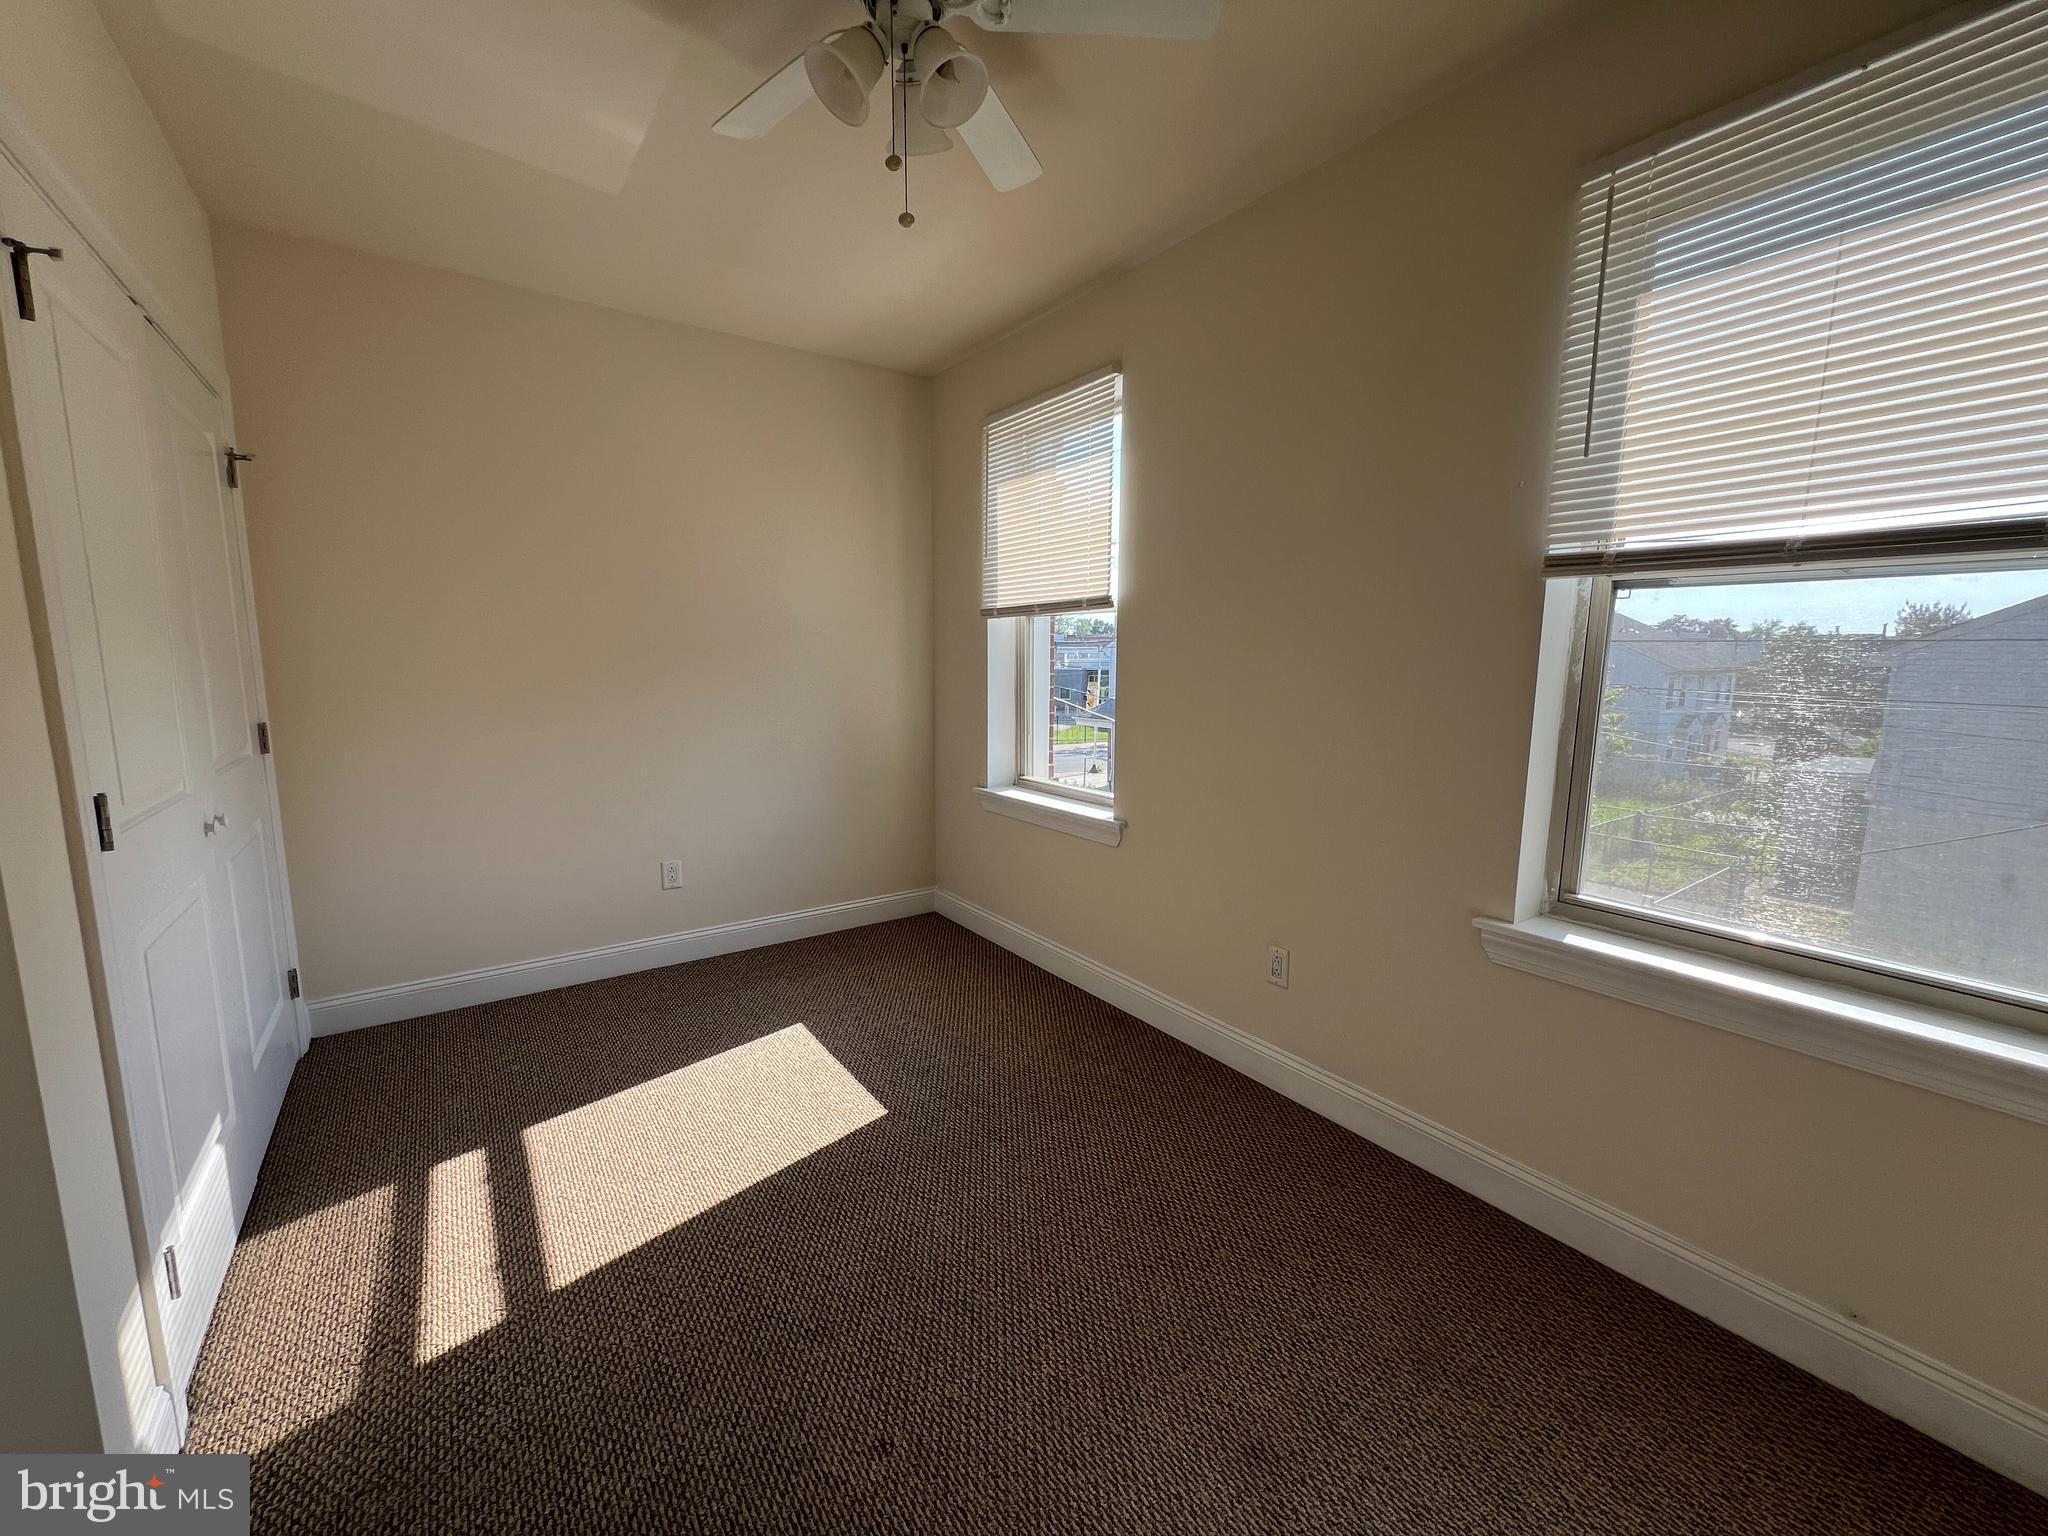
(182,995)
(259,943)
(117,572)
(204,1238)
(123,609)
(216,582)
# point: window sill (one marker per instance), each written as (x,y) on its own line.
(1997,1066)
(1098,825)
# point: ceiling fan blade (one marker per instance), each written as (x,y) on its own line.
(991,136)
(768,103)
(1102,18)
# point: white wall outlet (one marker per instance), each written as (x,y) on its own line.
(1276,966)
(671,874)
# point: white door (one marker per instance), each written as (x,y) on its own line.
(139,549)
(246,887)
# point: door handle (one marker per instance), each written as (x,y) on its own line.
(214,823)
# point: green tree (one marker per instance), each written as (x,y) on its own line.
(1681,626)
(1068,625)
(1614,721)
(1916,621)
(1813,694)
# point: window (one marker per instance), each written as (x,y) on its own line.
(1800,485)
(1882,794)
(1049,540)
(1070,694)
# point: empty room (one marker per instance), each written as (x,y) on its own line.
(591,941)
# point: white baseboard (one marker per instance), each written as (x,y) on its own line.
(465,989)
(1990,1426)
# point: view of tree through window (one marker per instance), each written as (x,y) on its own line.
(1858,764)
(1081,703)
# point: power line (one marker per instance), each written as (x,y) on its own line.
(1943,842)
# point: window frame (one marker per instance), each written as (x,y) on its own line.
(1590,623)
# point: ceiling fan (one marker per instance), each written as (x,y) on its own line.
(937,87)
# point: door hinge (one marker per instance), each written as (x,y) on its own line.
(171,1280)
(18,253)
(263,737)
(291,980)
(103,822)
(234,458)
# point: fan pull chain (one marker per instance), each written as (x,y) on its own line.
(897,135)
(899,117)
(906,218)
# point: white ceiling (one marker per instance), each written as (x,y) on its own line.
(565,145)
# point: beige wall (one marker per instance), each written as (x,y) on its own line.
(549,592)
(61,73)
(63,85)
(1337,406)
(35,1276)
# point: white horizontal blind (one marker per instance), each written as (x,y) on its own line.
(1825,323)
(1049,493)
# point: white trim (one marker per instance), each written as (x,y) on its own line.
(465,989)
(1005,703)
(1998,1066)
(1096,823)
(1982,1422)
(20,143)
(160,1433)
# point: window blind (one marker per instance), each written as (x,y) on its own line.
(1049,494)
(1822,326)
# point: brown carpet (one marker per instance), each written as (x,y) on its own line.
(969,1251)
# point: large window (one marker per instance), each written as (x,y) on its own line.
(1874,788)
(1049,590)
(1800,503)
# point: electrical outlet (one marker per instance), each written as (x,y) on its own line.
(1276,966)
(671,874)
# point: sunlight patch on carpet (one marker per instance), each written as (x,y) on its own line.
(461,1294)
(620,1172)
(316,1341)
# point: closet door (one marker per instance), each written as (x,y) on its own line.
(244,872)
(138,554)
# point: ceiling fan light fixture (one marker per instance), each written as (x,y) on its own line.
(843,69)
(954,82)
(923,138)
